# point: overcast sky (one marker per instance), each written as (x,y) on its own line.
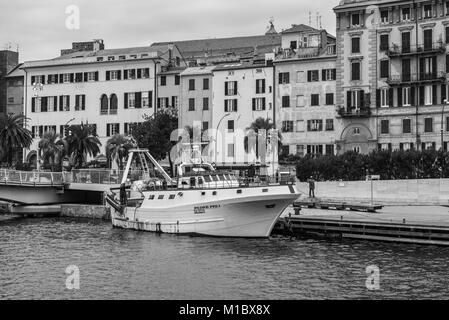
(39,27)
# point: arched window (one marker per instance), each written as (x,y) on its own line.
(104,104)
(113,104)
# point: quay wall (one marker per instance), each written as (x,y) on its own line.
(86,211)
(386,192)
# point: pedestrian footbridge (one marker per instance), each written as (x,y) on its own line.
(38,188)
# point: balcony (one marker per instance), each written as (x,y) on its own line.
(306,52)
(417,78)
(364,112)
(401,51)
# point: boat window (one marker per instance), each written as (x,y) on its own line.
(161,197)
(215,178)
(222,177)
(200,180)
(207,179)
(172,196)
(228,176)
(151,197)
(264,190)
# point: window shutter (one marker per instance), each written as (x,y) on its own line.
(421,96)
(447,63)
(390,97)
(167,102)
(323,75)
(421,68)
(150,99)
(434,65)
(263,85)
(33,104)
(412,96)
(33,80)
(68,103)
(139,73)
(434,94)
(254,104)
(55,103)
(83,102)
(362,98)
(61,78)
(72,77)
(108,130)
(263,104)
(119,75)
(226,88)
(85,76)
(401,146)
(126,101)
(348,100)
(96,75)
(399,97)
(138,96)
(108,75)
(125,74)
(378,98)
(61,103)
(309,76)
(412,145)
(56,78)
(236,87)
(236,105)
(443,93)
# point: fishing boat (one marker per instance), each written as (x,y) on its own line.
(197,200)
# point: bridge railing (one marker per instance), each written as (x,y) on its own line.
(93,176)
(30,177)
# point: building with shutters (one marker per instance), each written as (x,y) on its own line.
(305,91)
(8,61)
(392,71)
(14,91)
(109,89)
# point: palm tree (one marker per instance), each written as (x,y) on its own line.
(52,148)
(118,147)
(82,142)
(258,125)
(13,135)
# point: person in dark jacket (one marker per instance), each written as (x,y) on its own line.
(311,187)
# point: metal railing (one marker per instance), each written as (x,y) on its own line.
(395,50)
(31,178)
(94,176)
(354,112)
(417,77)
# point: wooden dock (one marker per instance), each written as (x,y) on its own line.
(418,225)
(315,203)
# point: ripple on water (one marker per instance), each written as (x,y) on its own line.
(121,264)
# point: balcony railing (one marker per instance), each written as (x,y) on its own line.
(31,178)
(354,112)
(436,47)
(439,76)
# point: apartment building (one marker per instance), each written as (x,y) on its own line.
(169,87)
(305,90)
(109,89)
(392,71)
(8,61)
(15,90)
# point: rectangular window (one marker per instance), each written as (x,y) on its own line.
(384,68)
(205,103)
(67,77)
(406,95)
(258,104)
(230,88)
(231,150)
(231,126)
(427,11)
(355,44)
(428,95)
(355,71)
(230,105)
(191,84)
(205,126)
(428,125)
(313,76)
(315,150)
(384,126)
(428,39)
(80,102)
(406,14)
(191,104)
(145,99)
(329,99)
(300,101)
(447,8)
(287,126)
(330,149)
(329,74)
(162,103)
(406,126)
(384,98)
(284,78)
(206,84)
(355,20)
(293,45)
(329,124)
(314,125)
(286,102)
(260,86)
(163,81)
(315,100)
(384,42)
(384,16)
(405,41)
(177,80)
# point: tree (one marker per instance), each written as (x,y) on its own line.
(82,142)
(117,148)
(155,132)
(52,148)
(251,141)
(13,135)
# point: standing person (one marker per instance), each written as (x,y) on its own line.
(311,187)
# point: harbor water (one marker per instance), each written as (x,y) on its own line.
(121,264)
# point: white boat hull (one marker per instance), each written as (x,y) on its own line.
(252,213)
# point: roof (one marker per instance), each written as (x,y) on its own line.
(82,57)
(199,47)
(345,4)
(192,71)
(16,72)
(297,28)
(240,65)
(172,71)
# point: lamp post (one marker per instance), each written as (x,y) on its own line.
(37,87)
(216,134)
